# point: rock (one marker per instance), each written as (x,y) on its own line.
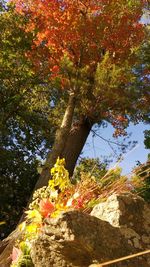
(76,239)
(131,214)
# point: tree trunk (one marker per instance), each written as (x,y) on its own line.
(75,143)
(69,146)
(59,144)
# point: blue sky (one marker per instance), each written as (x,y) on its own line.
(96,147)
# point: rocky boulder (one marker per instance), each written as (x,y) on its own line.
(116,228)
(129,213)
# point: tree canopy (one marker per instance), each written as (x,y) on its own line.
(90,48)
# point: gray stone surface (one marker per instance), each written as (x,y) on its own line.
(77,239)
(131,215)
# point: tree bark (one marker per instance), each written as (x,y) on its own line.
(75,143)
(59,144)
(68,145)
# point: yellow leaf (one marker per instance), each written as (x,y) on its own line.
(56,213)
(32,228)
(34,215)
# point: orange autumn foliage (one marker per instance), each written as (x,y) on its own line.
(84,29)
(91,46)
(46,207)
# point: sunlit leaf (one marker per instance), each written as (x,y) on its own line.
(46,207)
(34,215)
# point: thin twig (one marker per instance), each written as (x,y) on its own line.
(123,258)
(108,141)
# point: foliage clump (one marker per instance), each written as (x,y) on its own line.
(90,166)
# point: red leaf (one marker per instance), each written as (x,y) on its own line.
(46,207)
(55,69)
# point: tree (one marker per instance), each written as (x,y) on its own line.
(147,139)
(91,52)
(25,128)
(91,167)
(83,56)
